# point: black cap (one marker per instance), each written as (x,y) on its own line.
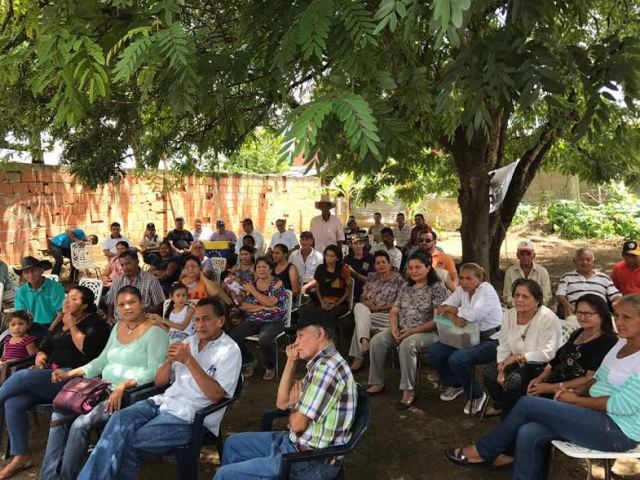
(151,226)
(316,317)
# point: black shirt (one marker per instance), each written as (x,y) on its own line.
(284,277)
(331,284)
(573,361)
(61,350)
(364,266)
(180,239)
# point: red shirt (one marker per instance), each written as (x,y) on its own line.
(626,280)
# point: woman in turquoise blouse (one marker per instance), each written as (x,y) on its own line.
(606,416)
(131,357)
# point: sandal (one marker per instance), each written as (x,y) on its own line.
(15,470)
(269,374)
(455,456)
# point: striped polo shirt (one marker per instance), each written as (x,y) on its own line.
(573,285)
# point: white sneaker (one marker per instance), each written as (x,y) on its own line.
(451,393)
(478,403)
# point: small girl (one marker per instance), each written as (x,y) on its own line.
(179,314)
(19,345)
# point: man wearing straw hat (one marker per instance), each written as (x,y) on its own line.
(326,228)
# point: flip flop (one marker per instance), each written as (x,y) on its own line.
(15,471)
(460,459)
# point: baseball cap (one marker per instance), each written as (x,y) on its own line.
(151,226)
(179,218)
(247,220)
(219,223)
(632,247)
(526,246)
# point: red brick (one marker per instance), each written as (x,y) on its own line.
(28,176)
(20,188)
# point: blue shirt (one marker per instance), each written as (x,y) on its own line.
(43,303)
(63,240)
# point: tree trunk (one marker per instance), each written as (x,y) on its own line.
(473,197)
(35,147)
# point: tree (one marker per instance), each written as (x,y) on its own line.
(488,82)
(393,90)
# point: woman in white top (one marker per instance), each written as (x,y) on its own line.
(474,300)
(529,338)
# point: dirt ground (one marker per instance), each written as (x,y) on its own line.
(405,445)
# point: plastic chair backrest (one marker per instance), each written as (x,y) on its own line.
(81,257)
(219,263)
(93,284)
(350,298)
(568,327)
(15,278)
(287,320)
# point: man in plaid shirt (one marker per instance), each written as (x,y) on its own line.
(322,410)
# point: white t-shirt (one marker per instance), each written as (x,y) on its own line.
(287,238)
(395,255)
(257,236)
(483,307)
(306,268)
(222,361)
(205,234)
(179,335)
(326,233)
(110,243)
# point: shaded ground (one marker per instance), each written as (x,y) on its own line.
(405,445)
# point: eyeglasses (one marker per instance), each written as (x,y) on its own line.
(586,314)
(424,240)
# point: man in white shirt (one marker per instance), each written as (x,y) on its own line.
(109,245)
(247,227)
(526,268)
(306,259)
(206,368)
(326,228)
(395,255)
(401,232)
(584,279)
(284,237)
(201,231)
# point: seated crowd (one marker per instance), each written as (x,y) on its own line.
(183,325)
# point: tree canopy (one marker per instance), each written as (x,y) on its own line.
(398,91)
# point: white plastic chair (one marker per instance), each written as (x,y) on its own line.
(219,263)
(568,327)
(287,324)
(93,284)
(52,276)
(350,301)
(576,451)
(82,259)
(15,278)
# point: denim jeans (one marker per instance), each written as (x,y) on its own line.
(256,455)
(535,421)
(59,254)
(18,394)
(131,434)
(68,442)
(454,365)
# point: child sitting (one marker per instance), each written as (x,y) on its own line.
(179,314)
(19,344)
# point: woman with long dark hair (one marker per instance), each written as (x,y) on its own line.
(412,328)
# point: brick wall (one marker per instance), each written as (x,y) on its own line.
(38,201)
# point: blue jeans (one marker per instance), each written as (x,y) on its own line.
(454,365)
(68,442)
(535,421)
(256,455)
(131,434)
(18,394)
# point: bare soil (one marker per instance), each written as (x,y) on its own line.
(405,445)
